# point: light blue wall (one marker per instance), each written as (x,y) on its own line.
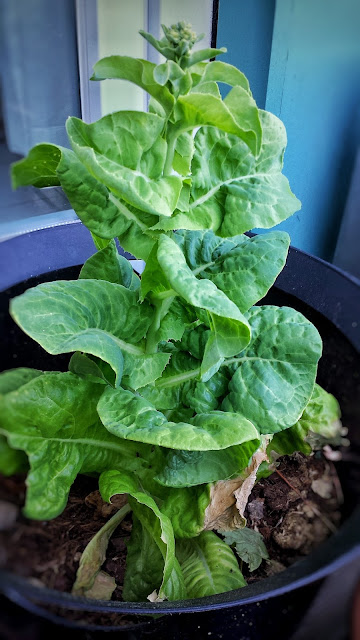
(313,85)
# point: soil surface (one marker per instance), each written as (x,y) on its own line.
(294,509)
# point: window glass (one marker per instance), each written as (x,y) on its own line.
(118,26)
(39,90)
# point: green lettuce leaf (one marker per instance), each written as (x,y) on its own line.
(322,414)
(202,54)
(97,317)
(166,393)
(319,422)
(184,151)
(125,152)
(230,331)
(275,374)
(208,565)
(175,321)
(13,379)
(108,265)
(179,386)
(286,442)
(53,419)
(157,525)
(140,72)
(39,168)
(219,71)
(191,468)
(91,369)
(170,72)
(141,370)
(132,417)
(243,268)
(186,507)
(237,116)
(144,564)
(12,460)
(105,215)
(232,190)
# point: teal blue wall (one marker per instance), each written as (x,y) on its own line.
(245,27)
(313,85)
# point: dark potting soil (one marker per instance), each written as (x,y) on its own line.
(294,509)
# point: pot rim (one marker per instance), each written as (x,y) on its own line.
(342,548)
(315,288)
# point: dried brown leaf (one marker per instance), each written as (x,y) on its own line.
(103,587)
(228,498)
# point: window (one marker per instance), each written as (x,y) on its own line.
(48,51)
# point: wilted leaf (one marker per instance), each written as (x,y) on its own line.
(249,546)
(228,498)
(88,581)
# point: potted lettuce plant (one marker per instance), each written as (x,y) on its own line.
(180,384)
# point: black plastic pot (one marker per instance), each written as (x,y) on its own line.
(270,608)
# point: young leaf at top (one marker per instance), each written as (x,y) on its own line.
(157,525)
(171,72)
(203,54)
(208,565)
(140,72)
(249,546)
(275,374)
(219,71)
(177,45)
